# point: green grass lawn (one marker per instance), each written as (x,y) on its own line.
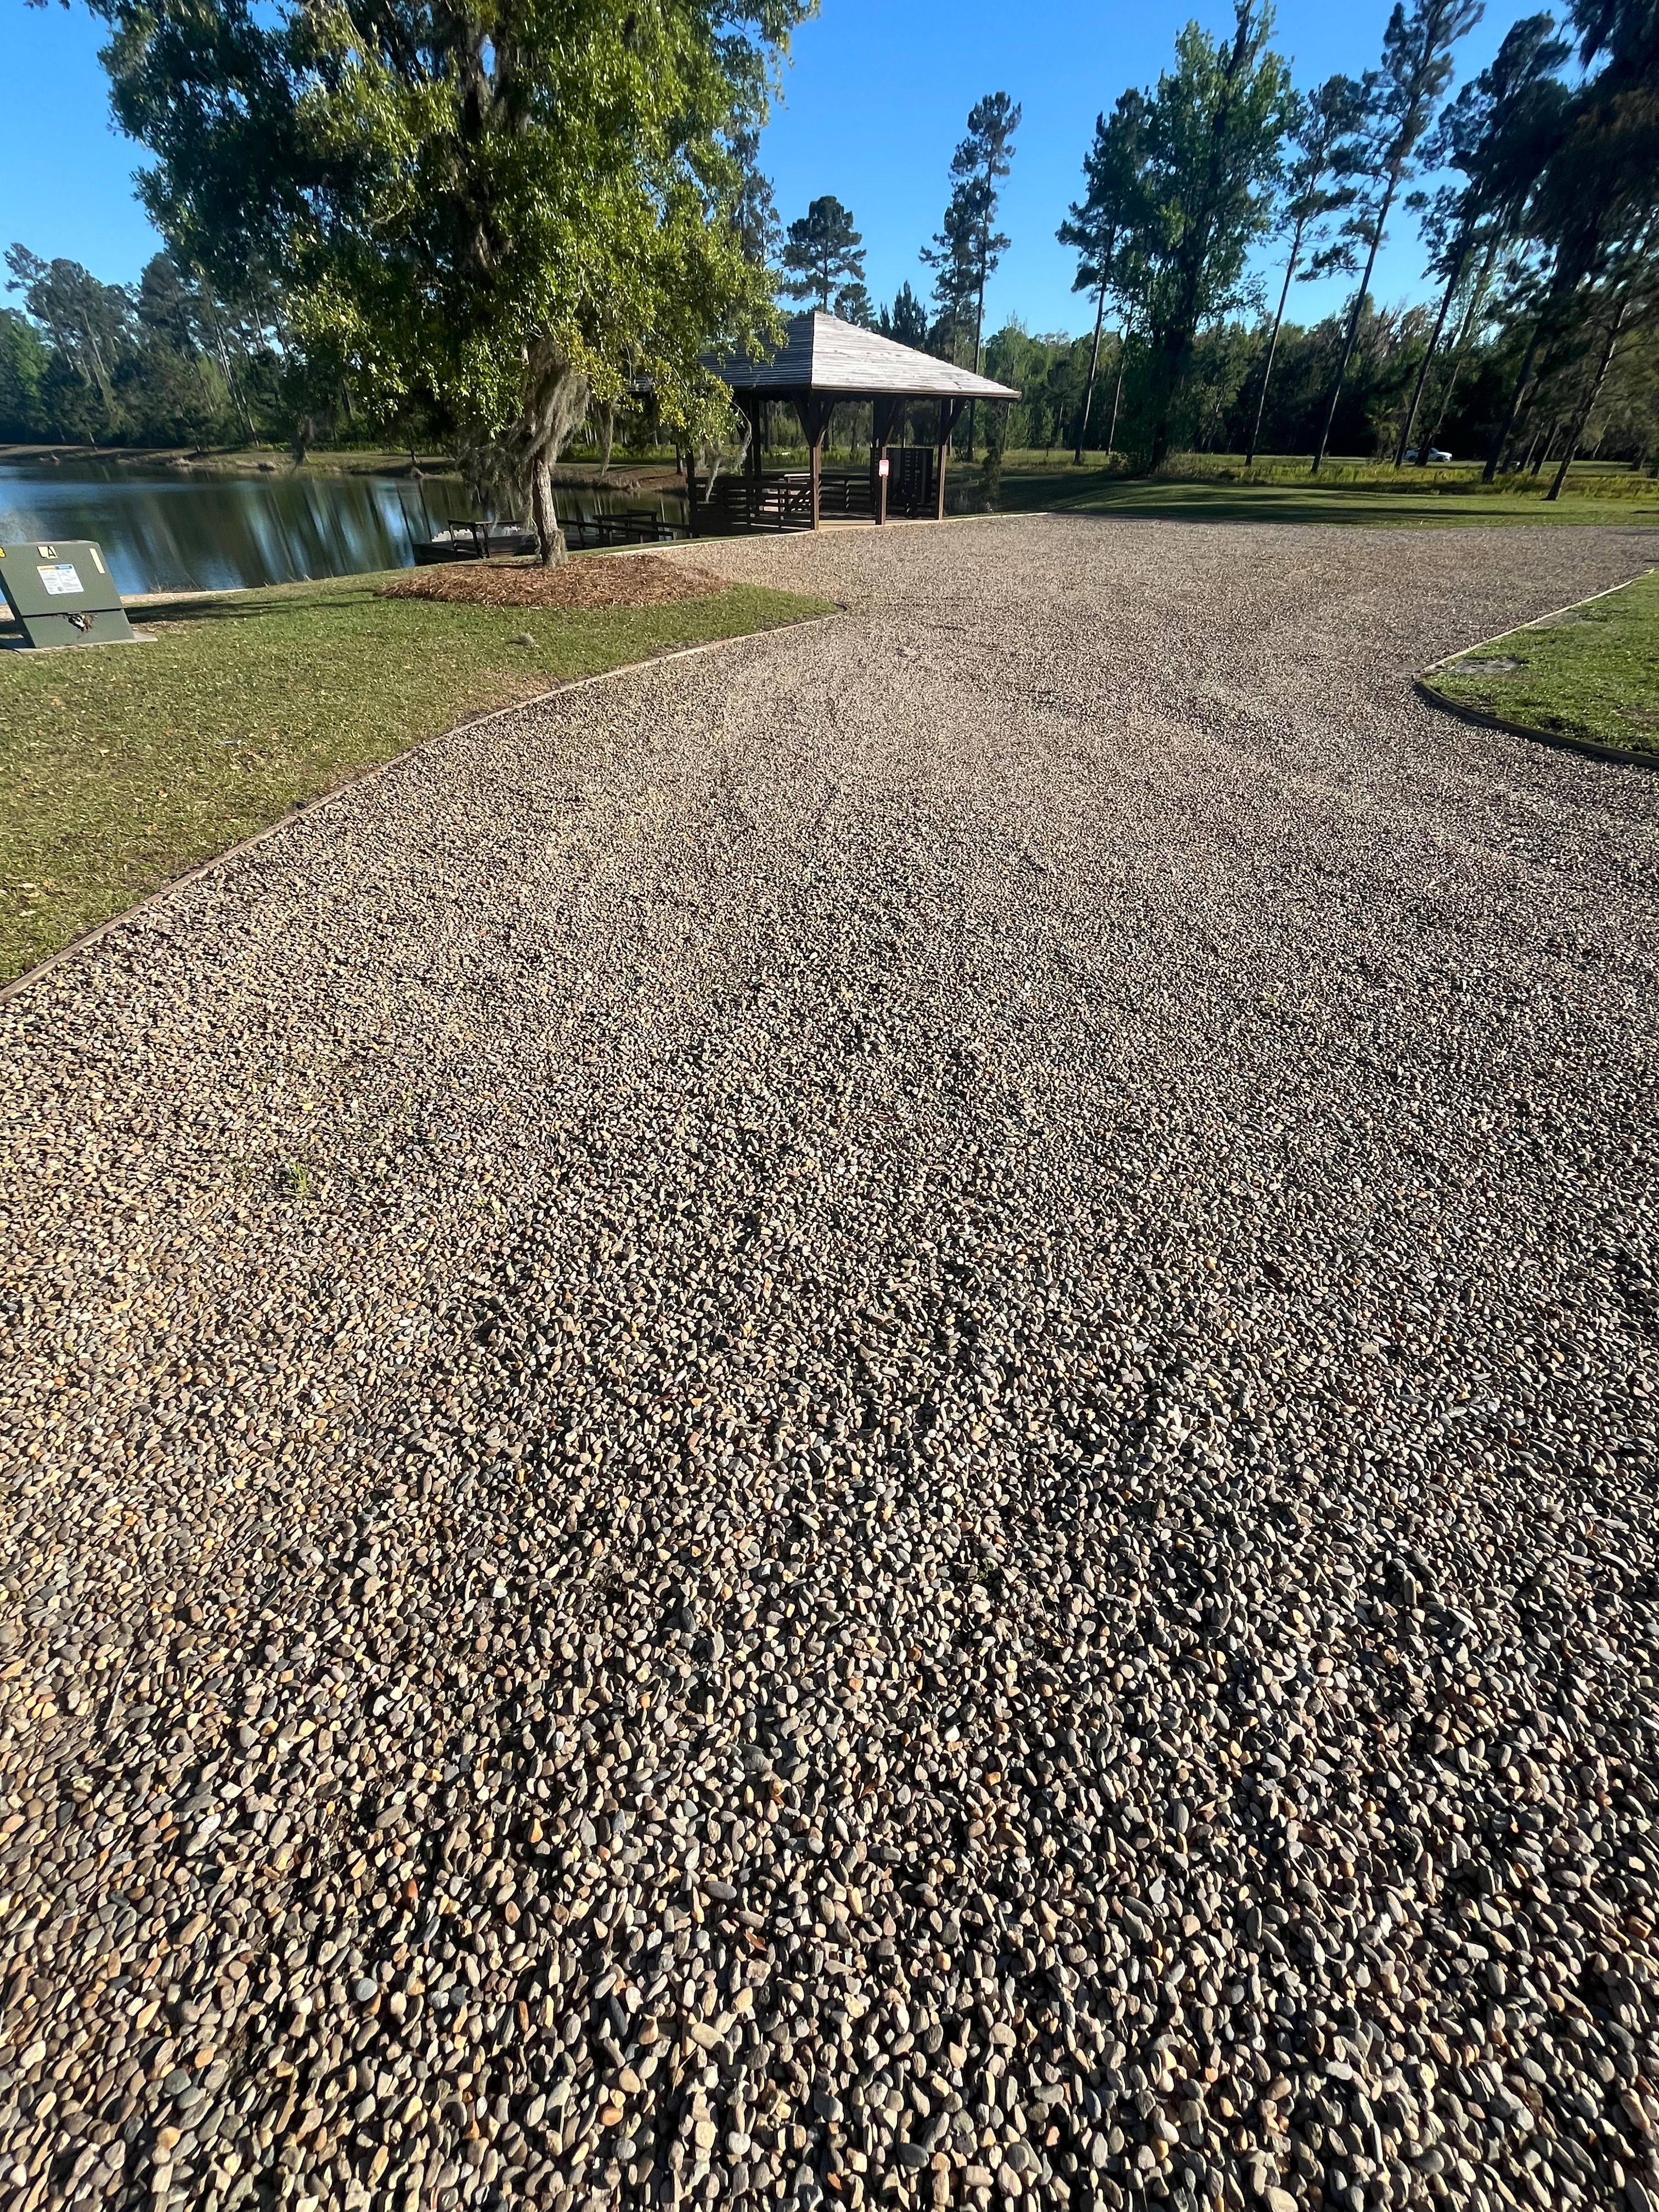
(1215,489)
(1591,674)
(122,766)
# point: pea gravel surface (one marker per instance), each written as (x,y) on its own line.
(867,1421)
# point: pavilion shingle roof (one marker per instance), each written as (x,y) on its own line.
(824,354)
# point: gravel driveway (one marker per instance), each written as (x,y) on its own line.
(871,1420)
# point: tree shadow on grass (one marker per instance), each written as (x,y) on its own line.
(260,603)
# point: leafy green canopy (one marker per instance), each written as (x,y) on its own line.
(1496,136)
(163,361)
(1113,209)
(1215,128)
(1325,155)
(1107,228)
(495,208)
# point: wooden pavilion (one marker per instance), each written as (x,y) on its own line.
(824,362)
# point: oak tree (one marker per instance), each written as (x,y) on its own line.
(497,210)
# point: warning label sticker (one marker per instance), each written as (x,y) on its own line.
(62,580)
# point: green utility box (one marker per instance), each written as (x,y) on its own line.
(63,594)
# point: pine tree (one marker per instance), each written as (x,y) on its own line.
(754,211)
(824,254)
(1101,225)
(853,304)
(1318,186)
(968,247)
(1496,135)
(1417,51)
(905,321)
(1214,131)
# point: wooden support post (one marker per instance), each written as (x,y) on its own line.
(752,408)
(949,410)
(814,413)
(886,413)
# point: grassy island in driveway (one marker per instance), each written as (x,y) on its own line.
(122,766)
(1590,674)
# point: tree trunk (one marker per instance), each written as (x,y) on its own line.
(1459,344)
(1423,372)
(1353,321)
(1506,427)
(1175,348)
(1273,347)
(1089,387)
(979,325)
(1117,392)
(197,360)
(549,538)
(1575,436)
(100,375)
(607,436)
(553,404)
(1166,358)
(233,383)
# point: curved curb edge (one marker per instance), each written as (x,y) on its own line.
(1558,738)
(89,938)
(1482,719)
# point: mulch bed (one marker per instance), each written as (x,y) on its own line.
(642,580)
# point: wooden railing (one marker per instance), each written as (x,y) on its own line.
(622,529)
(781,499)
(910,481)
(846,493)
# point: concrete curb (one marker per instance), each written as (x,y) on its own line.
(355,783)
(1482,719)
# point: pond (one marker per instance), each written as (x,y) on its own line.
(164,530)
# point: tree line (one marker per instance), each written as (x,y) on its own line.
(1540,241)
(170,361)
(1226,408)
(489,222)
(1540,237)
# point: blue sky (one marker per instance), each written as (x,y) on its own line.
(874,100)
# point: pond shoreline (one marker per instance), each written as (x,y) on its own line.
(652,477)
(213,527)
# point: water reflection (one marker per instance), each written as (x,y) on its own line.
(166,532)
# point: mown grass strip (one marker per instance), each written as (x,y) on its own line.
(1589,675)
(1275,492)
(124,767)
